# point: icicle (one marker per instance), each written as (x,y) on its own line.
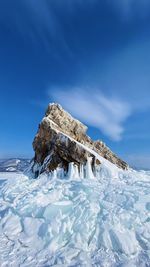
(81,172)
(71,170)
(76,172)
(60,173)
(54,174)
(88,170)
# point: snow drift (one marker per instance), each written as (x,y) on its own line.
(71,219)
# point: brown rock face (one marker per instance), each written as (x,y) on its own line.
(59,141)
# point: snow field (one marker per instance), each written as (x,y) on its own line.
(75,219)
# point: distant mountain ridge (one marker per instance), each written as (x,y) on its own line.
(14,164)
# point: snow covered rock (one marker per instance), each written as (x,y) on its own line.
(61,139)
(14,165)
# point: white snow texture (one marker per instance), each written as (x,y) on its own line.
(76,219)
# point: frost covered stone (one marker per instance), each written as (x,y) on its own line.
(61,139)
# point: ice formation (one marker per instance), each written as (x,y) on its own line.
(79,218)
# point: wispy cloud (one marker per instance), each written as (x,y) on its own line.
(46,24)
(37,23)
(95,109)
(129,8)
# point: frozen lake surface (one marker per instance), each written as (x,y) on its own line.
(58,220)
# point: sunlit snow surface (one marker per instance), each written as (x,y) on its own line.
(59,220)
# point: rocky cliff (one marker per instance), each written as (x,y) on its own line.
(61,139)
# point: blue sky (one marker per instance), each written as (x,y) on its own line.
(93,57)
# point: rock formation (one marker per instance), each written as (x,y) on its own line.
(61,139)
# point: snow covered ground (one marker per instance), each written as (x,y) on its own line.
(75,220)
(13,164)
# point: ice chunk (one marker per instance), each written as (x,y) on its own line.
(121,241)
(54,209)
(71,221)
(31,226)
(12,226)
